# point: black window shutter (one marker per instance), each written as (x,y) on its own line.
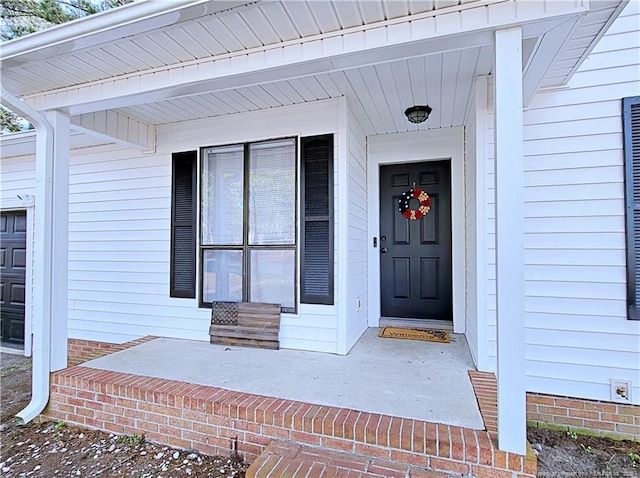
(631,131)
(316,235)
(183,225)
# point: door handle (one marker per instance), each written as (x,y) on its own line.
(383,250)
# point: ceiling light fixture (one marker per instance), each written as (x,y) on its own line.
(418,114)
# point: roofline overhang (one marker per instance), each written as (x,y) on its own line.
(109,25)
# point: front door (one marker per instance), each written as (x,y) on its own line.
(13,240)
(415,254)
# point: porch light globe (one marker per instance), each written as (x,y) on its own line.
(418,114)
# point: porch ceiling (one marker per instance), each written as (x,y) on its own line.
(380,92)
(196,59)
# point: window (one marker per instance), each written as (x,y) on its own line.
(631,131)
(248,223)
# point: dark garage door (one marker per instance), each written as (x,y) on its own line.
(13,259)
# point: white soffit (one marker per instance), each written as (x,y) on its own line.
(187,33)
(587,33)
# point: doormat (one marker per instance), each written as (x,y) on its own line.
(441,336)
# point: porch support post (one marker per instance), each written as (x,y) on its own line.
(52,225)
(509,177)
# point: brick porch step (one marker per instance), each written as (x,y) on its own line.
(285,459)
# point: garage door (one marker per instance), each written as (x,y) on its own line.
(13,259)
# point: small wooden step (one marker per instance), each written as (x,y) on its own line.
(292,460)
(245,324)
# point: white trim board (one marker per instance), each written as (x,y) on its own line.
(428,145)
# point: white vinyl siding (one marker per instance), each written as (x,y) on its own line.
(578,336)
(357,270)
(119,240)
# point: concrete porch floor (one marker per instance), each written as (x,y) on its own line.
(403,378)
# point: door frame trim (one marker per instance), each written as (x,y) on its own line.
(410,147)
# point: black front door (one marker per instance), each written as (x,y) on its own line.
(13,261)
(415,255)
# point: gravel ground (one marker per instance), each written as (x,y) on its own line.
(57,450)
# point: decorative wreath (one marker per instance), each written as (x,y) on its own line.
(414,214)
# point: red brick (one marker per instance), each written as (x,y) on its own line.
(247,426)
(62,407)
(419,434)
(126,403)
(598,425)
(432,439)
(93,423)
(328,420)
(448,465)
(170,431)
(388,469)
(274,413)
(406,437)
(114,428)
(418,473)
(178,443)
(471,452)
(125,421)
(541,400)
(530,464)
(371,431)
(337,444)
(151,427)
(457,443)
(76,402)
(499,459)
(276,432)
(350,424)
(631,429)
(373,451)
(417,459)
(298,415)
(514,462)
(85,412)
(628,410)
(338,423)
(304,437)
(356,463)
(558,411)
(600,407)
(444,441)
(485,448)
(290,413)
(134,414)
(570,403)
(611,417)
(571,422)
(591,415)
(482,472)
(395,430)
(360,428)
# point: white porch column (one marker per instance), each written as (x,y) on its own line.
(51,238)
(509,174)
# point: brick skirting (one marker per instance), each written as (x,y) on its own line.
(207,418)
(592,417)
